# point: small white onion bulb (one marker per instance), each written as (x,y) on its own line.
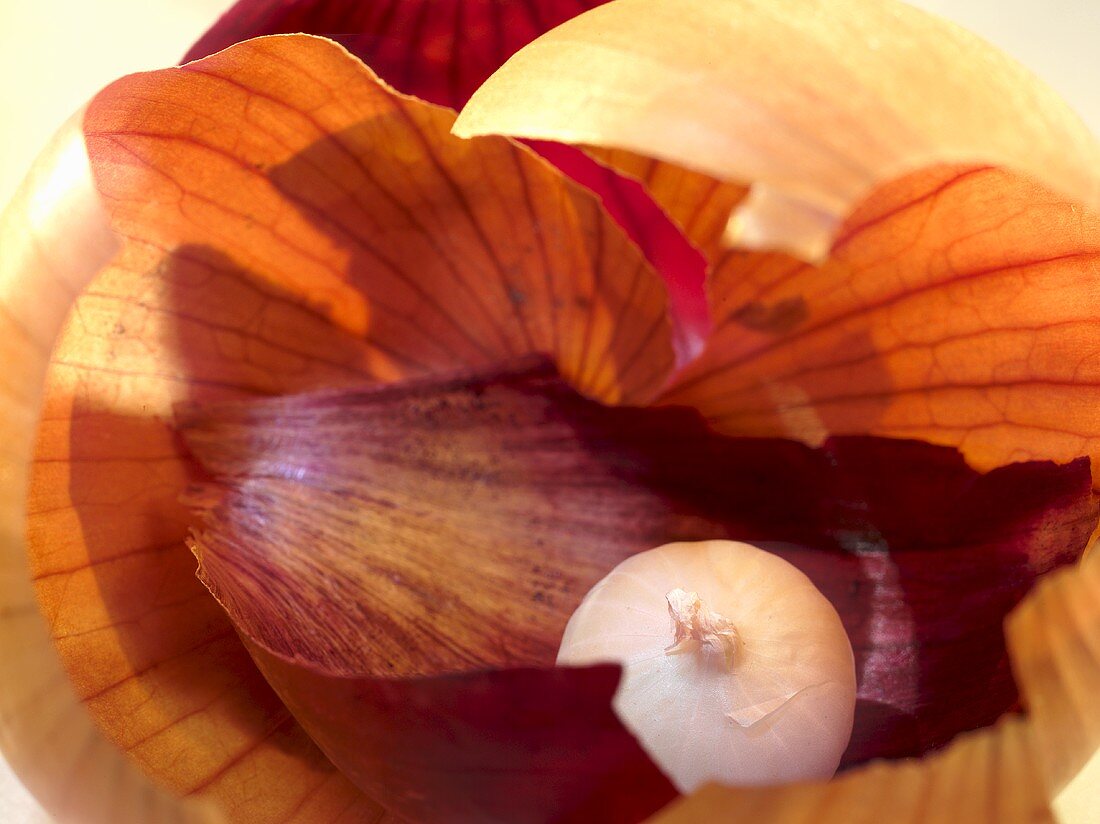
(735,667)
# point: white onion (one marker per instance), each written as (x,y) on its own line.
(753,681)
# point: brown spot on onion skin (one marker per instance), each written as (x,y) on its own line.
(442,50)
(954,308)
(416,248)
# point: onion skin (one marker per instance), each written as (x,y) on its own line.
(916,551)
(438,50)
(92,600)
(441,51)
(814,105)
(522,745)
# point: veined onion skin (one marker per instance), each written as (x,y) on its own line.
(736,668)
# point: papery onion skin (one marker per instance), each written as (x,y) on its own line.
(233,280)
(95,389)
(540,492)
(780,709)
(441,51)
(815,104)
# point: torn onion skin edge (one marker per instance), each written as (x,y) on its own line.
(384,551)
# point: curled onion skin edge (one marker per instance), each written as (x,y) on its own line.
(802,106)
(761,690)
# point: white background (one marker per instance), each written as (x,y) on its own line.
(55,54)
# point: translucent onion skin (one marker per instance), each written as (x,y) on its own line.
(772,703)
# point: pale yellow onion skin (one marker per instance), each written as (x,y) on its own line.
(813,103)
(783,712)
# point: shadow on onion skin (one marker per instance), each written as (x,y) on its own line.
(170,682)
(476,254)
(918,553)
(962,550)
(182,658)
(878,525)
(518,745)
